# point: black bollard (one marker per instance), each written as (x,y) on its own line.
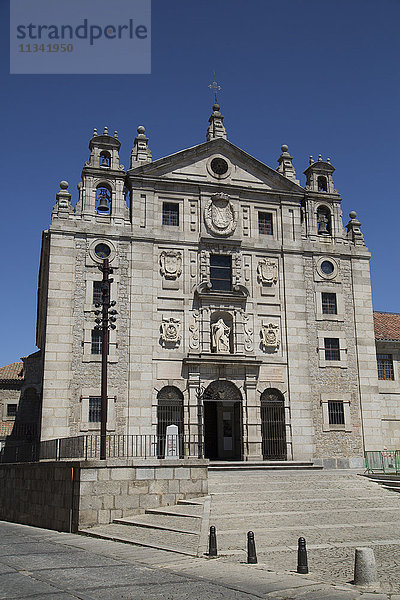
(302,563)
(212,543)
(251,549)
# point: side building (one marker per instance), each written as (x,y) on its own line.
(244,304)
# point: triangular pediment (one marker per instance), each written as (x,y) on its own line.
(193,164)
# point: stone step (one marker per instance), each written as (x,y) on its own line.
(175,511)
(262,465)
(163,522)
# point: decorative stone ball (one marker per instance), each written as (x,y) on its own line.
(284,148)
(216,107)
(353,214)
(64,185)
(141,129)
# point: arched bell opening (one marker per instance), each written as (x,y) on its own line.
(223,421)
(324,221)
(105,159)
(322,183)
(273,426)
(103,199)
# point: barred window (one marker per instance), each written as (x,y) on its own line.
(96,341)
(97,292)
(11,410)
(336,412)
(170,213)
(221,272)
(95,409)
(265,223)
(329,303)
(332,351)
(385,366)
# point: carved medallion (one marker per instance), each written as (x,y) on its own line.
(220,216)
(171,264)
(270,336)
(267,271)
(170,331)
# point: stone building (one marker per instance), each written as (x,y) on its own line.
(244,304)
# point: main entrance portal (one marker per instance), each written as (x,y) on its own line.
(222,421)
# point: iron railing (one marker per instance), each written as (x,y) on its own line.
(87,447)
(383,461)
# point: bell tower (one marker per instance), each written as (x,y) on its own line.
(101,191)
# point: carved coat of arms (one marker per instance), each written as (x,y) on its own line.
(270,336)
(170,330)
(171,264)
(267,271)
(220,216)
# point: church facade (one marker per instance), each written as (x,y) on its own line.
(244,311)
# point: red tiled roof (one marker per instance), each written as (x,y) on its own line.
(387,326)
(12,372)
(6,427)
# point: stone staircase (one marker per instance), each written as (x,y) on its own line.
(389,482)
(177,528)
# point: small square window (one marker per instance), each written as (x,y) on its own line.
(265,223)
(12,410)
(97,287)
(97,341)
(385,366)
(95,409)
(170,213)
(329,303)
(336,412)
(332,351)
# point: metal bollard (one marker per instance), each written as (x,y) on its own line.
(251,549)
(212,543)
(302,563)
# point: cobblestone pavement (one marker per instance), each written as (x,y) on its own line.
(336,511)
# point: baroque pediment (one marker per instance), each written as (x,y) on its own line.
(217,161)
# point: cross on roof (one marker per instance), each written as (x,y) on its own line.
(215,87)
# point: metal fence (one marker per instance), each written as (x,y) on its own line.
(383,461)
(87,447)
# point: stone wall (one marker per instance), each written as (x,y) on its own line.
(70,495)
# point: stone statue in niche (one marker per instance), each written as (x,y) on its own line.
(171,264)
(267,271)
(270,336)
(220,337)
(220,216)
(170,331)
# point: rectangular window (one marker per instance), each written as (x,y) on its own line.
(385,366)
(97,292)
(332,351)
(96,341)
(221,272)
(265,223)
(329,303)
(94,409)
(170,213)
(335,412)
(11,410)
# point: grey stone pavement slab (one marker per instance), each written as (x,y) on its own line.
(61,566)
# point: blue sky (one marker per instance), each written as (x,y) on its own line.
(321,76)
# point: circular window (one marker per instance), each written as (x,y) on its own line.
(219,166)
(327,267)
(102,251)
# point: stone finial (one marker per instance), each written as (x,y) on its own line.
(94,132)
(62,207)
(216,127)
(105,132)
(354,232)
(310,162)
(140,152)
(116,134)
(319,157)
(285,165)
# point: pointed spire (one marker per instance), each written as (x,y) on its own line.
(216,127)
(285,165)
(140,152)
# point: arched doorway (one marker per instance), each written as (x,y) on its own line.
(222,421)
(273,428)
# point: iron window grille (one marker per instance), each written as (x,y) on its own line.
(170,213)
(385,366)
(97,288)
(332,351)
(335,412)
(11,410)
(265,223)
(95,409)
(329,303)
(221,272)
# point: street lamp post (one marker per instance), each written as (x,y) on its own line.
(104,323)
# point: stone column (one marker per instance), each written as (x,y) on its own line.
(193,426)
(251,418)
